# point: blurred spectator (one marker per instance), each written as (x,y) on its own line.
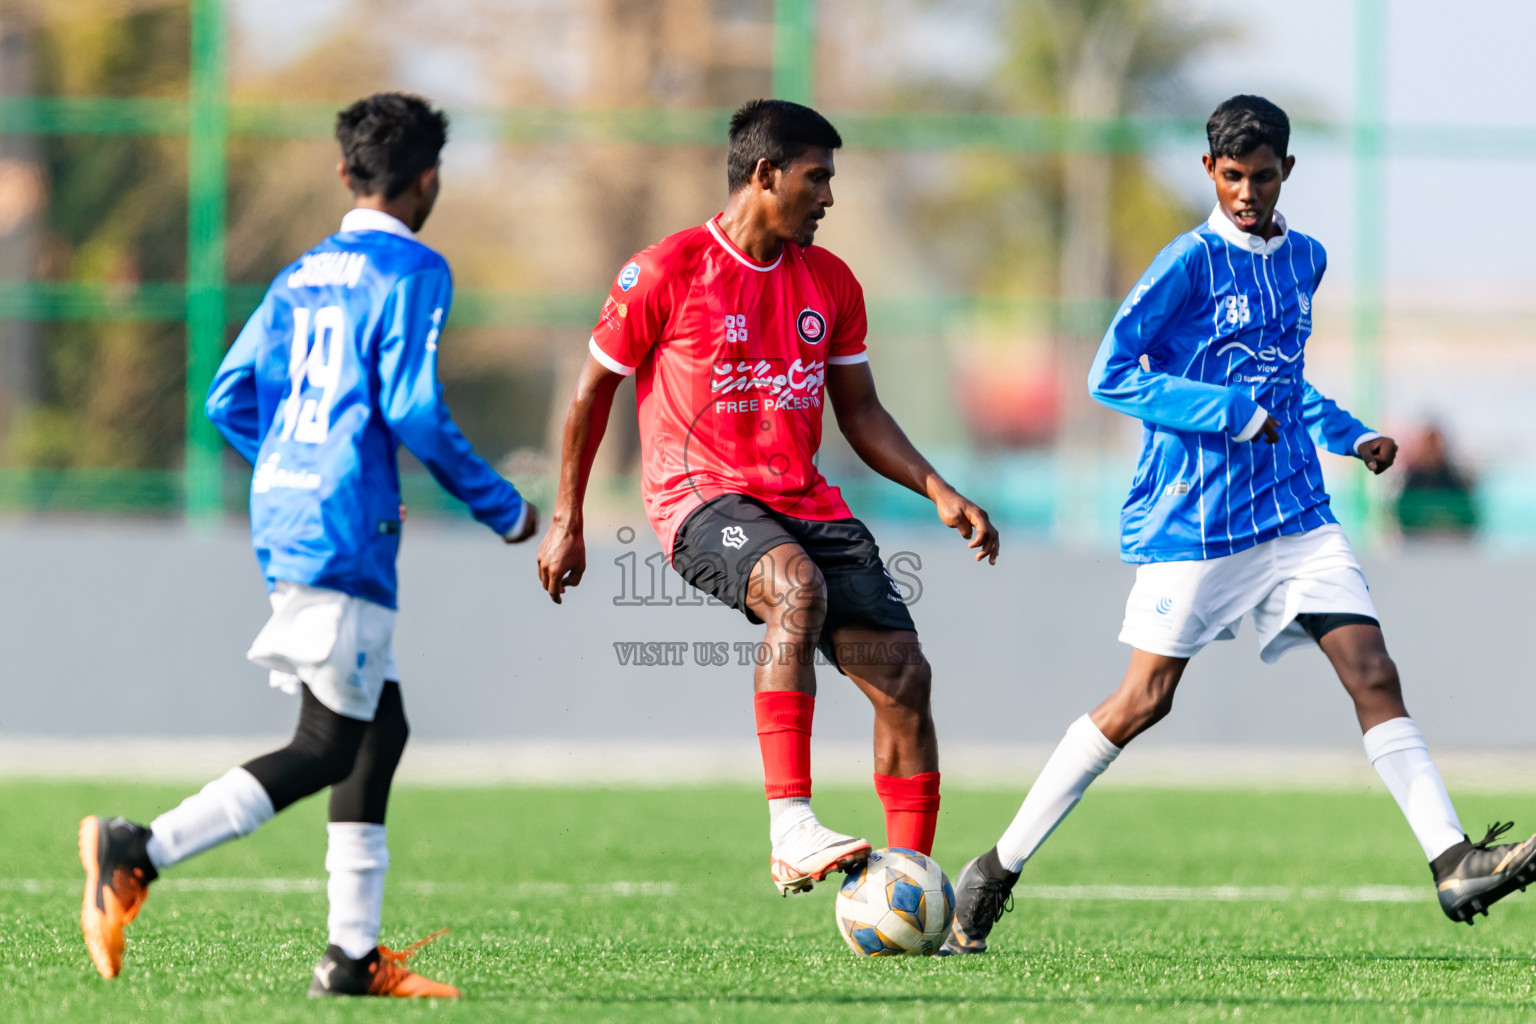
(1436,500)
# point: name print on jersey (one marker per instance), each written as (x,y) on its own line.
(323,269)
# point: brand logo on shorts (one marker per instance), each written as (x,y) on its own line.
(628,276)
(733,537)
(811,326)
(1164,605)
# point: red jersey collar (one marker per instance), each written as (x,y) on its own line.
(730,247)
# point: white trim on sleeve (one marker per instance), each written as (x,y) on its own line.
(1369,435)
(521,524)
(608,360)
(857,357)
(1255,424)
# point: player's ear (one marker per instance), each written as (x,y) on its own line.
(1285,167)
(1210,164)
(341,172)
(765,175)
(426,181)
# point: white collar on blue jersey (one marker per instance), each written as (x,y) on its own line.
(375,220)
(1223,226)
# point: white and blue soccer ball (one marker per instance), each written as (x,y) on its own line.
(898,903)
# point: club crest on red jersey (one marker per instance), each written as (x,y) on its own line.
(811,326)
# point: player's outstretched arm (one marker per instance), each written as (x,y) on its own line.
(1337,431)
(877,439)
(563,552)
(411,400)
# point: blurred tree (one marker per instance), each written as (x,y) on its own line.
(1077,226)
(106,393)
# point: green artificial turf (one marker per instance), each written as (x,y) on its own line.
(655,905)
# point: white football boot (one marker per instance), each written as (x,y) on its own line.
(809,853)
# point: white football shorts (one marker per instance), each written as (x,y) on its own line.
(340,646)
(1176,608)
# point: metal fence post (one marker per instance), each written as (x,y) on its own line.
(208,123)
(1370,235)
(794,50)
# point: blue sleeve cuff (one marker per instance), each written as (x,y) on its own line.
(520,523)
(1253,426)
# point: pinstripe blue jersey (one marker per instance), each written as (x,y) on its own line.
(1209,342)
(333,372)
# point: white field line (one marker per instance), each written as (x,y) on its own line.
(556,890)
(1225,893)
(586,761)
(284,886)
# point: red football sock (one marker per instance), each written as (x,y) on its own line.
(784,734)
(911,810)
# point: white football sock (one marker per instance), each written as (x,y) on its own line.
(234,804)
(357,857)
(788,813)
(1400,756)
(1081,757)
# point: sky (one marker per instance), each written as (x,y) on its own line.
(1462,64)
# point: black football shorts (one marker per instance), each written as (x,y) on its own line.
(721,541)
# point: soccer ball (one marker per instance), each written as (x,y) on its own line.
(897,903)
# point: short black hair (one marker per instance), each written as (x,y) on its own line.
(776,131)
(387,139)
(1244,123)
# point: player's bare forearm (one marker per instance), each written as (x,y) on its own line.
(563,554)
(883,446)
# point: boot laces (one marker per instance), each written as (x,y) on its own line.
(994,898)
(1495,830)
(402,955)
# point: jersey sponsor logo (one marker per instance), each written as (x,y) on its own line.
(320,269)
(1305,302)
(1268,354)
(733,537)
(798,387)
(613,312)
(811,326)
(628,276)
(271,476)
(1238,313)
(1176,488)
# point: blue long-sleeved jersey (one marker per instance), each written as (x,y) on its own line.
(333,372)
(1211,338)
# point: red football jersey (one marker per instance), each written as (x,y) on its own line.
(732,358)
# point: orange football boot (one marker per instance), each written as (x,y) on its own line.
(117,877)
(381,973)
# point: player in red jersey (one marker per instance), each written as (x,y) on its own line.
(736,330)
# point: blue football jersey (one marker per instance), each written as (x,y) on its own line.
(1212,337)
(333,372)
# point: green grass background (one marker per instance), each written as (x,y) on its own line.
(726,947)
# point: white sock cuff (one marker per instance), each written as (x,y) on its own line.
(1392,736)
(355,846)
(1096,749)
(243,798)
